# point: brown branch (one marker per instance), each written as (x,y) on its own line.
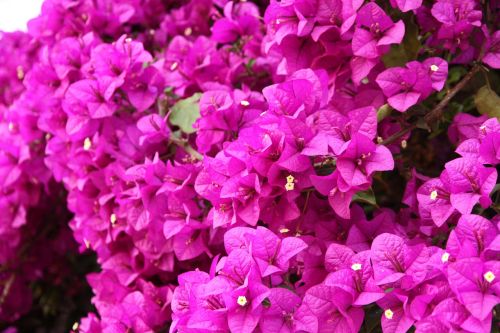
(397,135)
(438,110)
(6,289)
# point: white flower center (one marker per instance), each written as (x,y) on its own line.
(445,257)
(112,218)
(20,72)
(434,195)
(388,313)
(242,300)
(434,68)
(87,144)
(489,276)
(245,103)
(290,183)
(356,267)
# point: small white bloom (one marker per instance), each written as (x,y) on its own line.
(434,195)
(87,144)
(489,276)
(242,300)
(356,267)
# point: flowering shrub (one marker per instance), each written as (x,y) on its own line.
(242,166)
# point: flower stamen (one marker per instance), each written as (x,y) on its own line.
(489,276)
(356,267)
(434,195)
(87,144)
(242,301)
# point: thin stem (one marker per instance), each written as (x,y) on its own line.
(187,147)
(438,110)
(436,113)
(6,289)
(399,134)
(297,230)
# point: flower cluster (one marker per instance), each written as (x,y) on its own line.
(31,249)
(465,181)
(238,166)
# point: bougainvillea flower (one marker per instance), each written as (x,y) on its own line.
(465,126)
(279,316)
(375,29)
(305,91)
(363,231)
(339,128)
(244,191)
(406,5)
(394,318)
(450,314)
(338,200)
(227,170)
(273,254)
(451,12)
(489,150)
(327,309)
(470,183)
(352,273)
(438,71)
(91,98)
(404,87)
(240,20)
(434,201)
(471,237)
(244,302)
(360,160)
(395,259)
(492,55)
(476,284)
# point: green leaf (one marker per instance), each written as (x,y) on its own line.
(455,74)
(384,111)
(169,91)
(185,112)
(266,302)
(249,64)
(487,102)
(366,197)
